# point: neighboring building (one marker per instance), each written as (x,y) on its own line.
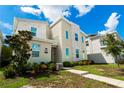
(59,42)
(96,48)
(0,44)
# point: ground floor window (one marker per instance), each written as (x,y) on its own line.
(35,50)
(67,52)
(35,53)
(77,53)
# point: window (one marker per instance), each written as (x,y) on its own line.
(35,53)
(33,31)
(67,52)
(87,43)
(46,50)
(77,53)
(76,37)
(102,42)
(35,50)
(82,39)
(66,34)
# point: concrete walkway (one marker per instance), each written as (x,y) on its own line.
(115,82)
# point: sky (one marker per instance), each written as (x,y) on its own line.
(90,18)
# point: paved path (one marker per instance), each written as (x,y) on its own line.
(115,82)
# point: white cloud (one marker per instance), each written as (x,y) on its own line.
(113,21)
(83,9)
(111,24)
(51,12)
(31,10)
(6,25)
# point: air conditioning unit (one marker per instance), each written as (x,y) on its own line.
(59,66)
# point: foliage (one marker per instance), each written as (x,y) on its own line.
(5,56)
(114,46)
(21,49)
(52,66)
(43,67)
(9,72)
(68,64)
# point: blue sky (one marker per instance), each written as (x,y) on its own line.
(91,19)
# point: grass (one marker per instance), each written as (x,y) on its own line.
(62,80)
(12,83)
(67,80)
(108,70)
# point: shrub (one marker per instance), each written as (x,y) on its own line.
(9,72)
(121,61)
(92,62)
(81,63)
(36,67)
(68,64)
(6,54)
(77,63)
(52,66)
(43,67)
(72,64)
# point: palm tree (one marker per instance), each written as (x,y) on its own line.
(113,46)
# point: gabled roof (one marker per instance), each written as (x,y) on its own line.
(71,23)
(62,18)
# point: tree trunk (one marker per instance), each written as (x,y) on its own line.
(117,62)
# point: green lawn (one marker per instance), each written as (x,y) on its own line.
(63,80)
(12,83)
(108,70)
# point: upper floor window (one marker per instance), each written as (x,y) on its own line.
(33,31)
(76,37)
(77,53)
(66,34)
(87,43)
(35,50)
(82,39)
(67,52)
(102,42)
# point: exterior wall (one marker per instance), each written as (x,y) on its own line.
(76,44)
(42,37)
(42,28)
(59,33)
(43,57)
(66,43)
(84,51)
(97,52)
(56,35)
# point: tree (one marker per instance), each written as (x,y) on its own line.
(113,46)
(21,50)
(5,55)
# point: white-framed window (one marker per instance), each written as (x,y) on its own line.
(66,34)
(35,50)
(33,31)
(67,52)
(77,53)
(76,37)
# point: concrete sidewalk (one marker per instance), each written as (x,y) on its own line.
(115,82)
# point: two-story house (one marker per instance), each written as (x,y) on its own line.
(71,46)
(61,41)
(41,43)
(96,48)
